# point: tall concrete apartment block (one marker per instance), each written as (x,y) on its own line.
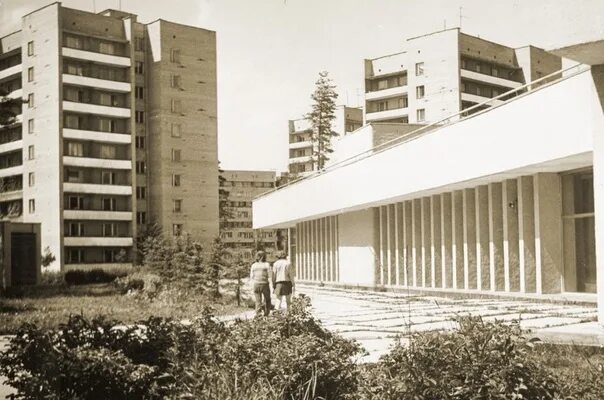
(237,233)
(348,119)
(442,73)
(118,130)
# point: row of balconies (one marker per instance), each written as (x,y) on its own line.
(92,96)
(83,122)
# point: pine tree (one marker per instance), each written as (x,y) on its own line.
(8,108)
(321,118)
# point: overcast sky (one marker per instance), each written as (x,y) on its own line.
(271,51)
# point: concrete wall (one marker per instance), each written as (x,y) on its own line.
(43,27)
(358,256)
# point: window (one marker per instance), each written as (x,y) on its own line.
(75,256)
(73,42)
(109,229)
(477,67)
(73,175)
(139,67)
(106,125)
(105,99)
(30,125)
(30,100)
(177,206)
(30,48)
(32,206)
(141,217)
(403,102)
(140,142)
(419,69)
(108,151)
(75,69)
(75,149)
(382,84)
(176,155)
(76,203)
(175,56)
(139,92)
(109,204)
(176,229)
(176,130)
(176,106)
(176,180)
(494,71)
(175,81)
(32,179)
(31,152)
(421,115)
(141,167)
(382,106)
(107,48)
(108,178)
(30,74)
(139,117)
(419,92)
(76,229)
(141,192)
(139,44)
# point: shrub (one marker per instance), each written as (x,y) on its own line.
(140,282)
(52,278)
(480,361)
(81,277)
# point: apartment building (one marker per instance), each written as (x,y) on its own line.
(348,119)
(236,232)
(118,130)
(441,73)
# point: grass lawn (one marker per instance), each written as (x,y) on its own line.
(49,306)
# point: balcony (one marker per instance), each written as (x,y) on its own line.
(82,241)
(97,215)
(100,58)
(386,115)
(16,94)
(11,146)
(95,188)
(11,195)
(479,99)
(89,162)
(387,93)
(97,136)
(15,170)
(115,86)
(300,145)
(14,70)
(86,108)
(493,80)
(300,160)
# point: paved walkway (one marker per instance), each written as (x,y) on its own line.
(376,318)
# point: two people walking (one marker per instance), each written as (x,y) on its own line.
(280,276)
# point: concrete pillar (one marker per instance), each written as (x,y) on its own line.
(526,234)
(548,232)
(382,240)
(389,274)
(435,242)
(417,242)
(397,242)
(392,243)
(336,236)
(407,252)
(469,239)
(496,237)
(315,240)
(378,270)
(510,235)
(426,244)
(457,242)
(446,220)
(482,238)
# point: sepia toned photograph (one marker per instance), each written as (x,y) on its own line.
(302,199)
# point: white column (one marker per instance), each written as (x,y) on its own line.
(406,242)
(483,276)
(446,240)
(496,237)
(397,252)
(435,241)
(457,242)
(388,249)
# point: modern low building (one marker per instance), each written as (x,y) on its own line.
(348,119)
(118,131)
(507,200)
(442,73)
(236,232)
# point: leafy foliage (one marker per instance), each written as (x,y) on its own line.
(80,277)
(8,108)
(47,258)
(321,117)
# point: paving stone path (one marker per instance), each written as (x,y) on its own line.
(376,318)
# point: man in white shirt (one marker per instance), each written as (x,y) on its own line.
(283,278)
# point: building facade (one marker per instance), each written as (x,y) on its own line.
(118,130)
(348,119)
(506,200)
(239,238)
(442,73)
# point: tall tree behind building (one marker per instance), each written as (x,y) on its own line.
(321,118)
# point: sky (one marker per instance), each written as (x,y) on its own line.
(270,52)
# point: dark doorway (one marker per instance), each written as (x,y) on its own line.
(23,258)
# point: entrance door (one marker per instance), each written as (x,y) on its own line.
(579,232)
(23,258)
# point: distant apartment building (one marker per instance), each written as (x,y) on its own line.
(236,232)
(301,162)
(442,73)
(118,130)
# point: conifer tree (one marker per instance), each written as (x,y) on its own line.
(321,118)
